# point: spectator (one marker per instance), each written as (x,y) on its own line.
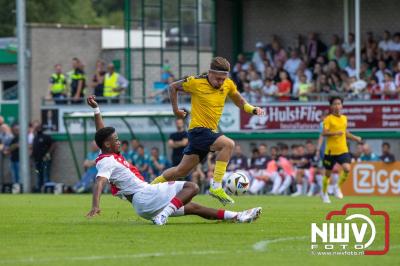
(114,84)
(278,54)
(368,155)
(269,90)
(134,149)
(57,86)
(389,88)
(292,64)
(341,58)
(5,139)
(397,76)
(258,57)
(125,151)
(77,81)
(85,184)
(238,161)
(314,48)
(350,46)
(380,74)
(374,90)
(386,43)
(284,87)
(255,81)
(387,156)
(141,160)
(351,68)
(42,149)
(98,80)
(395,45)
(157,163)
(304,89)
(13,151)
(166,72)
(178,141)
(332,49)
(259,162)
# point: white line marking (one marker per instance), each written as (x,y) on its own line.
(127,256)
(263,245)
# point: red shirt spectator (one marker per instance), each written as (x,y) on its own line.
(284,87)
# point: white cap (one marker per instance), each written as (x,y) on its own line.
(259,45)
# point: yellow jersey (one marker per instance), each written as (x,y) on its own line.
(336,145)
(207,102)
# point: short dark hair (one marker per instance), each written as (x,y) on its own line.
(124,142)
(386,144)
(102,135)
(334,98)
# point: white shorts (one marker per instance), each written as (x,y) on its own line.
(154,198)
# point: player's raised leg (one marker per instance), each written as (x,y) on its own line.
(224,146)
(325,183)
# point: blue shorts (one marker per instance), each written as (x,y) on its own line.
(200,140)
(331,160)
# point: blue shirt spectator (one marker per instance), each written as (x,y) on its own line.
(87,180)
(368,155)
(157,164)
(141,160)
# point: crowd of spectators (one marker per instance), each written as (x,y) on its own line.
(309,69)
(278,170)
(41,148)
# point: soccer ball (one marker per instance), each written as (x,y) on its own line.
(237,183)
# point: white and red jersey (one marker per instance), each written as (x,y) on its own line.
(124,178)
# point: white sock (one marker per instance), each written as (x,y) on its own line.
(299,188)
(331,188)
(229,215)
(179,212)
(170,209)
(216,185)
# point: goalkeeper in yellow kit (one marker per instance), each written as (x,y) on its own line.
(208,94)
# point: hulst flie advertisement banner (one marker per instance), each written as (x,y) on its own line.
(306,117)
(356,229)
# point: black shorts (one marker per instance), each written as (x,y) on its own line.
(200,140)
(331,160)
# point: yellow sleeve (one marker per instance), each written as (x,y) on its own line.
(188,84)
(232,88)
(326,123)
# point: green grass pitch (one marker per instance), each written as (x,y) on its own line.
(53,230)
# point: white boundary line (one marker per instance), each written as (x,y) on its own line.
(263,245)
(94,258)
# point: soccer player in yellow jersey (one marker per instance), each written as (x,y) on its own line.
(208,94)
(336,150)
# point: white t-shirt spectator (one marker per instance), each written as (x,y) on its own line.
(291,66)
(384,45)
(268,92)
(352,72)
(348,48)
(256,84)
(394,47)
(380,75)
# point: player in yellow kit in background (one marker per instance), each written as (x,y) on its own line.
(336,151)
(208,94)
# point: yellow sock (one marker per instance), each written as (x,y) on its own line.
(219,172)
(342,178)
(159,179)
(325,183)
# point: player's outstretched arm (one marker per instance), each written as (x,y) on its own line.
(91,101)
(353,137)
(240,102)
(173,94)
(97,189)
